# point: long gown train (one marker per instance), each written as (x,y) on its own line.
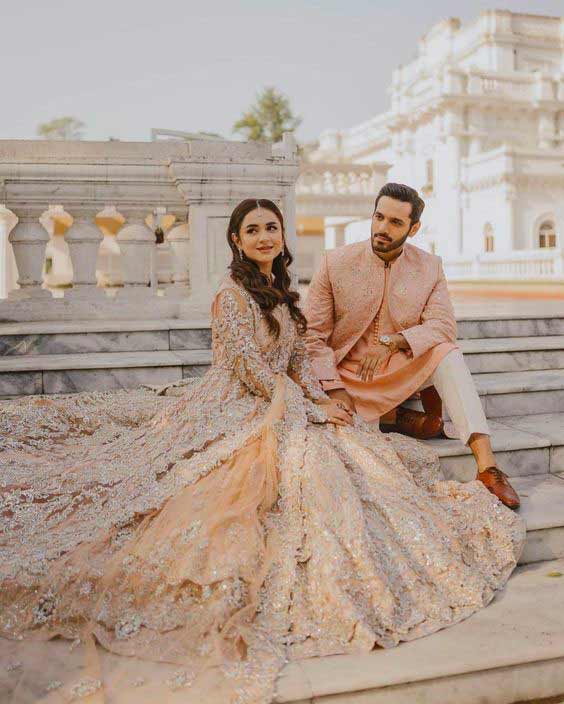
(222,529)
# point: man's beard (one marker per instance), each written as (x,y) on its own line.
(387,248)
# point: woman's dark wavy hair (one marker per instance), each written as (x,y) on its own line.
(247,273)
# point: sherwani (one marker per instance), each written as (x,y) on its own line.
(354,298)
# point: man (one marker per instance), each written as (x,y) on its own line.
(381,327)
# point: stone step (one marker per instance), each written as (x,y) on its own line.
(51,337)
(503,393)
(521,393)
(513,354)
(97,371)
(524,445)
(495,326)
(29,339)
(517,393)
(511,651)
(542,507)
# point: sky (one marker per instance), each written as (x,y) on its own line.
(125,66)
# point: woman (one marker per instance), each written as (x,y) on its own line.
(248,522)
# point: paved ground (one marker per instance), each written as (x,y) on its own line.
(478,302)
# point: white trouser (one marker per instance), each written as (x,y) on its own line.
(455,386)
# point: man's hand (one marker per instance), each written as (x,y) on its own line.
(371,363)
(343,396)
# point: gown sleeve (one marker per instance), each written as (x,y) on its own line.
(235,325)
(300,369)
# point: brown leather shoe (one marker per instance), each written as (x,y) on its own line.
(416,424)
(496,481)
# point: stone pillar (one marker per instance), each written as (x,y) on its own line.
(8,220)
(451,187)
(335,230)
(84,239)
(510,193)
(209,254)
(136,243)
(179,241)
(29,240)
(288,149)
(291,235)
(546,130)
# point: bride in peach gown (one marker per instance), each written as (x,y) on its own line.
(215,530)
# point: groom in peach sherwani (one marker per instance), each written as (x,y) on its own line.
(381,327)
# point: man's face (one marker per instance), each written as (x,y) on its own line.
(391,225)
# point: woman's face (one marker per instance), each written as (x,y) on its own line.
(260,237)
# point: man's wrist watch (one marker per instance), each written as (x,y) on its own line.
(389,342)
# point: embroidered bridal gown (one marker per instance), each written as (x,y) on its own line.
(224,531)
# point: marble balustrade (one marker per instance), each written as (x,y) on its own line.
(79,219)
(83,253)
(534,264)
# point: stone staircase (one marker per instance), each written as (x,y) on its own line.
(66,357)
(510,652)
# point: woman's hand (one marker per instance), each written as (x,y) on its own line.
(337,412)
(344,397)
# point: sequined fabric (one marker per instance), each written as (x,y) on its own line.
(222,528)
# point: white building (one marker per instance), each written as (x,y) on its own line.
(476,124)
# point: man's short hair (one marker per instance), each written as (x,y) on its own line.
(406,194)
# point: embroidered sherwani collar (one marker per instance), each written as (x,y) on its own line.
(375,259)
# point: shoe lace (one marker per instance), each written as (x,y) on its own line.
(497,473)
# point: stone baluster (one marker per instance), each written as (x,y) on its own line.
(28,240)
(160,223)
(179,241)
(136,241)
(57,270)
(318,183)
(109,274)
(84,239)
(8,220)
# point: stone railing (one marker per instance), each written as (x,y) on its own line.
(338,189)
(127,230)
(532,265)
(337,179)
(517,86)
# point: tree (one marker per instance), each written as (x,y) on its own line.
(268,119)
(61,128)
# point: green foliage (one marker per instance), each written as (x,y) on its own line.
(61,128)
(268,119)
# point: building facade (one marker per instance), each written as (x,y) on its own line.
(476,124)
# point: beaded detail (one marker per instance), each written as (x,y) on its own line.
(227,524)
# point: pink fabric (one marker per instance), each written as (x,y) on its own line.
(411,297)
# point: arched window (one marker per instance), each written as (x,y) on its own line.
(489,239)
(547,235)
